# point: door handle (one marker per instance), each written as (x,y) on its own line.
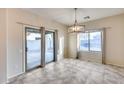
(26,49)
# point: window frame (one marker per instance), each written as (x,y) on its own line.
(91,31)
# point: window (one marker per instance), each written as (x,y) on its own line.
(90,41)
(95,41)
(83,41)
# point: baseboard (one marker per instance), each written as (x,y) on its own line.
(114,65)
(4,82)
(12,78)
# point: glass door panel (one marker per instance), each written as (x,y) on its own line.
(49,47)
(33,48)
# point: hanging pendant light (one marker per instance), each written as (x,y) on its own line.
(76,27)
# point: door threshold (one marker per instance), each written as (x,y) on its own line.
(33,68)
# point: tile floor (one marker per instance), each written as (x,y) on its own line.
(70,71)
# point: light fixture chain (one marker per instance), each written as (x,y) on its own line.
(75,16)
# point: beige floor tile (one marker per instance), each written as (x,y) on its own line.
(72,71)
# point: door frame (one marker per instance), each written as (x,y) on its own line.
(53,46)
(42,31)
(25,48)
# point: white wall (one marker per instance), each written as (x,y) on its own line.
(15,38)
(72,45)
(114,43)
(3,46)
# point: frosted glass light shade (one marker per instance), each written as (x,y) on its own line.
(77,28)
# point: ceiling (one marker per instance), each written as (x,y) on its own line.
(66,15)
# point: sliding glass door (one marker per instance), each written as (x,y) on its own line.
(33,48)
(49,47)
(37,40)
